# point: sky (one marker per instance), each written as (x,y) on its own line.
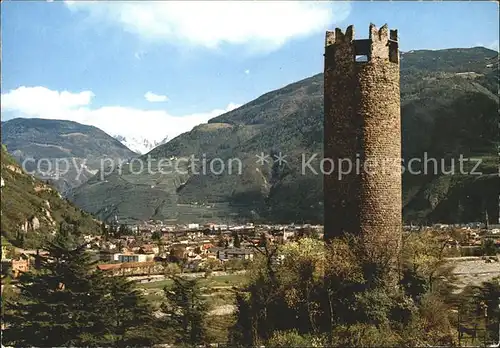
(156,69)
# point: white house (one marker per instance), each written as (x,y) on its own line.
(235,253)
(133,257)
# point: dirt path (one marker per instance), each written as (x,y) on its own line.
(469,271)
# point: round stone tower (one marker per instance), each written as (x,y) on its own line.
(362,126)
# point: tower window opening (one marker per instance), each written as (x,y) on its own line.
(361,58)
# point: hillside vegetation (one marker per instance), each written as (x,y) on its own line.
(31,209)
(449,106)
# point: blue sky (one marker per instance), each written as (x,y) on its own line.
(95,62)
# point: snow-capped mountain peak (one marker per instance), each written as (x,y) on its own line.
(139,144)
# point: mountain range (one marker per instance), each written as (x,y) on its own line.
(140,145)
(449,103)
(77,149)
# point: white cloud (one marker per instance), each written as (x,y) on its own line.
(155,98)
(232,106)
(41,102)
(247,72)
(260,25)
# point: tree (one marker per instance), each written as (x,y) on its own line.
(489,248)
(122,230)
(121,245)
(221,242)
(75,228)
(54,307)
(471,312)
(156,235)
(66,303)
(104,230)
(213,264)
(186,311)
(262,240)
(20,238)
(113,229)
(235,264)
(363,335)
(423,256)
(178,255)
(260,304)
(236,240)
(171,269)
(125,317)
(293,339)
(325,292)
(490,295)
(7,292)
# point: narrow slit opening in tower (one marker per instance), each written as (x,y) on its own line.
(361,58)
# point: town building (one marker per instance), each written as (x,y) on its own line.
(20,264)
(235,253)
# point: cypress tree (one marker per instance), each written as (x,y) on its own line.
(236,240)
(126,317)
(186,311)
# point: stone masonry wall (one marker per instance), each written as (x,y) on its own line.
(341,133)
(362,121)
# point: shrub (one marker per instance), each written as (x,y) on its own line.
(293,339)
(364,335)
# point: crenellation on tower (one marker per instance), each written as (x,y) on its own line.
(383,33)
(349,34)
(330,38)
(393,35)
(393,47)
(339,36)
(381,44)
(373,32)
